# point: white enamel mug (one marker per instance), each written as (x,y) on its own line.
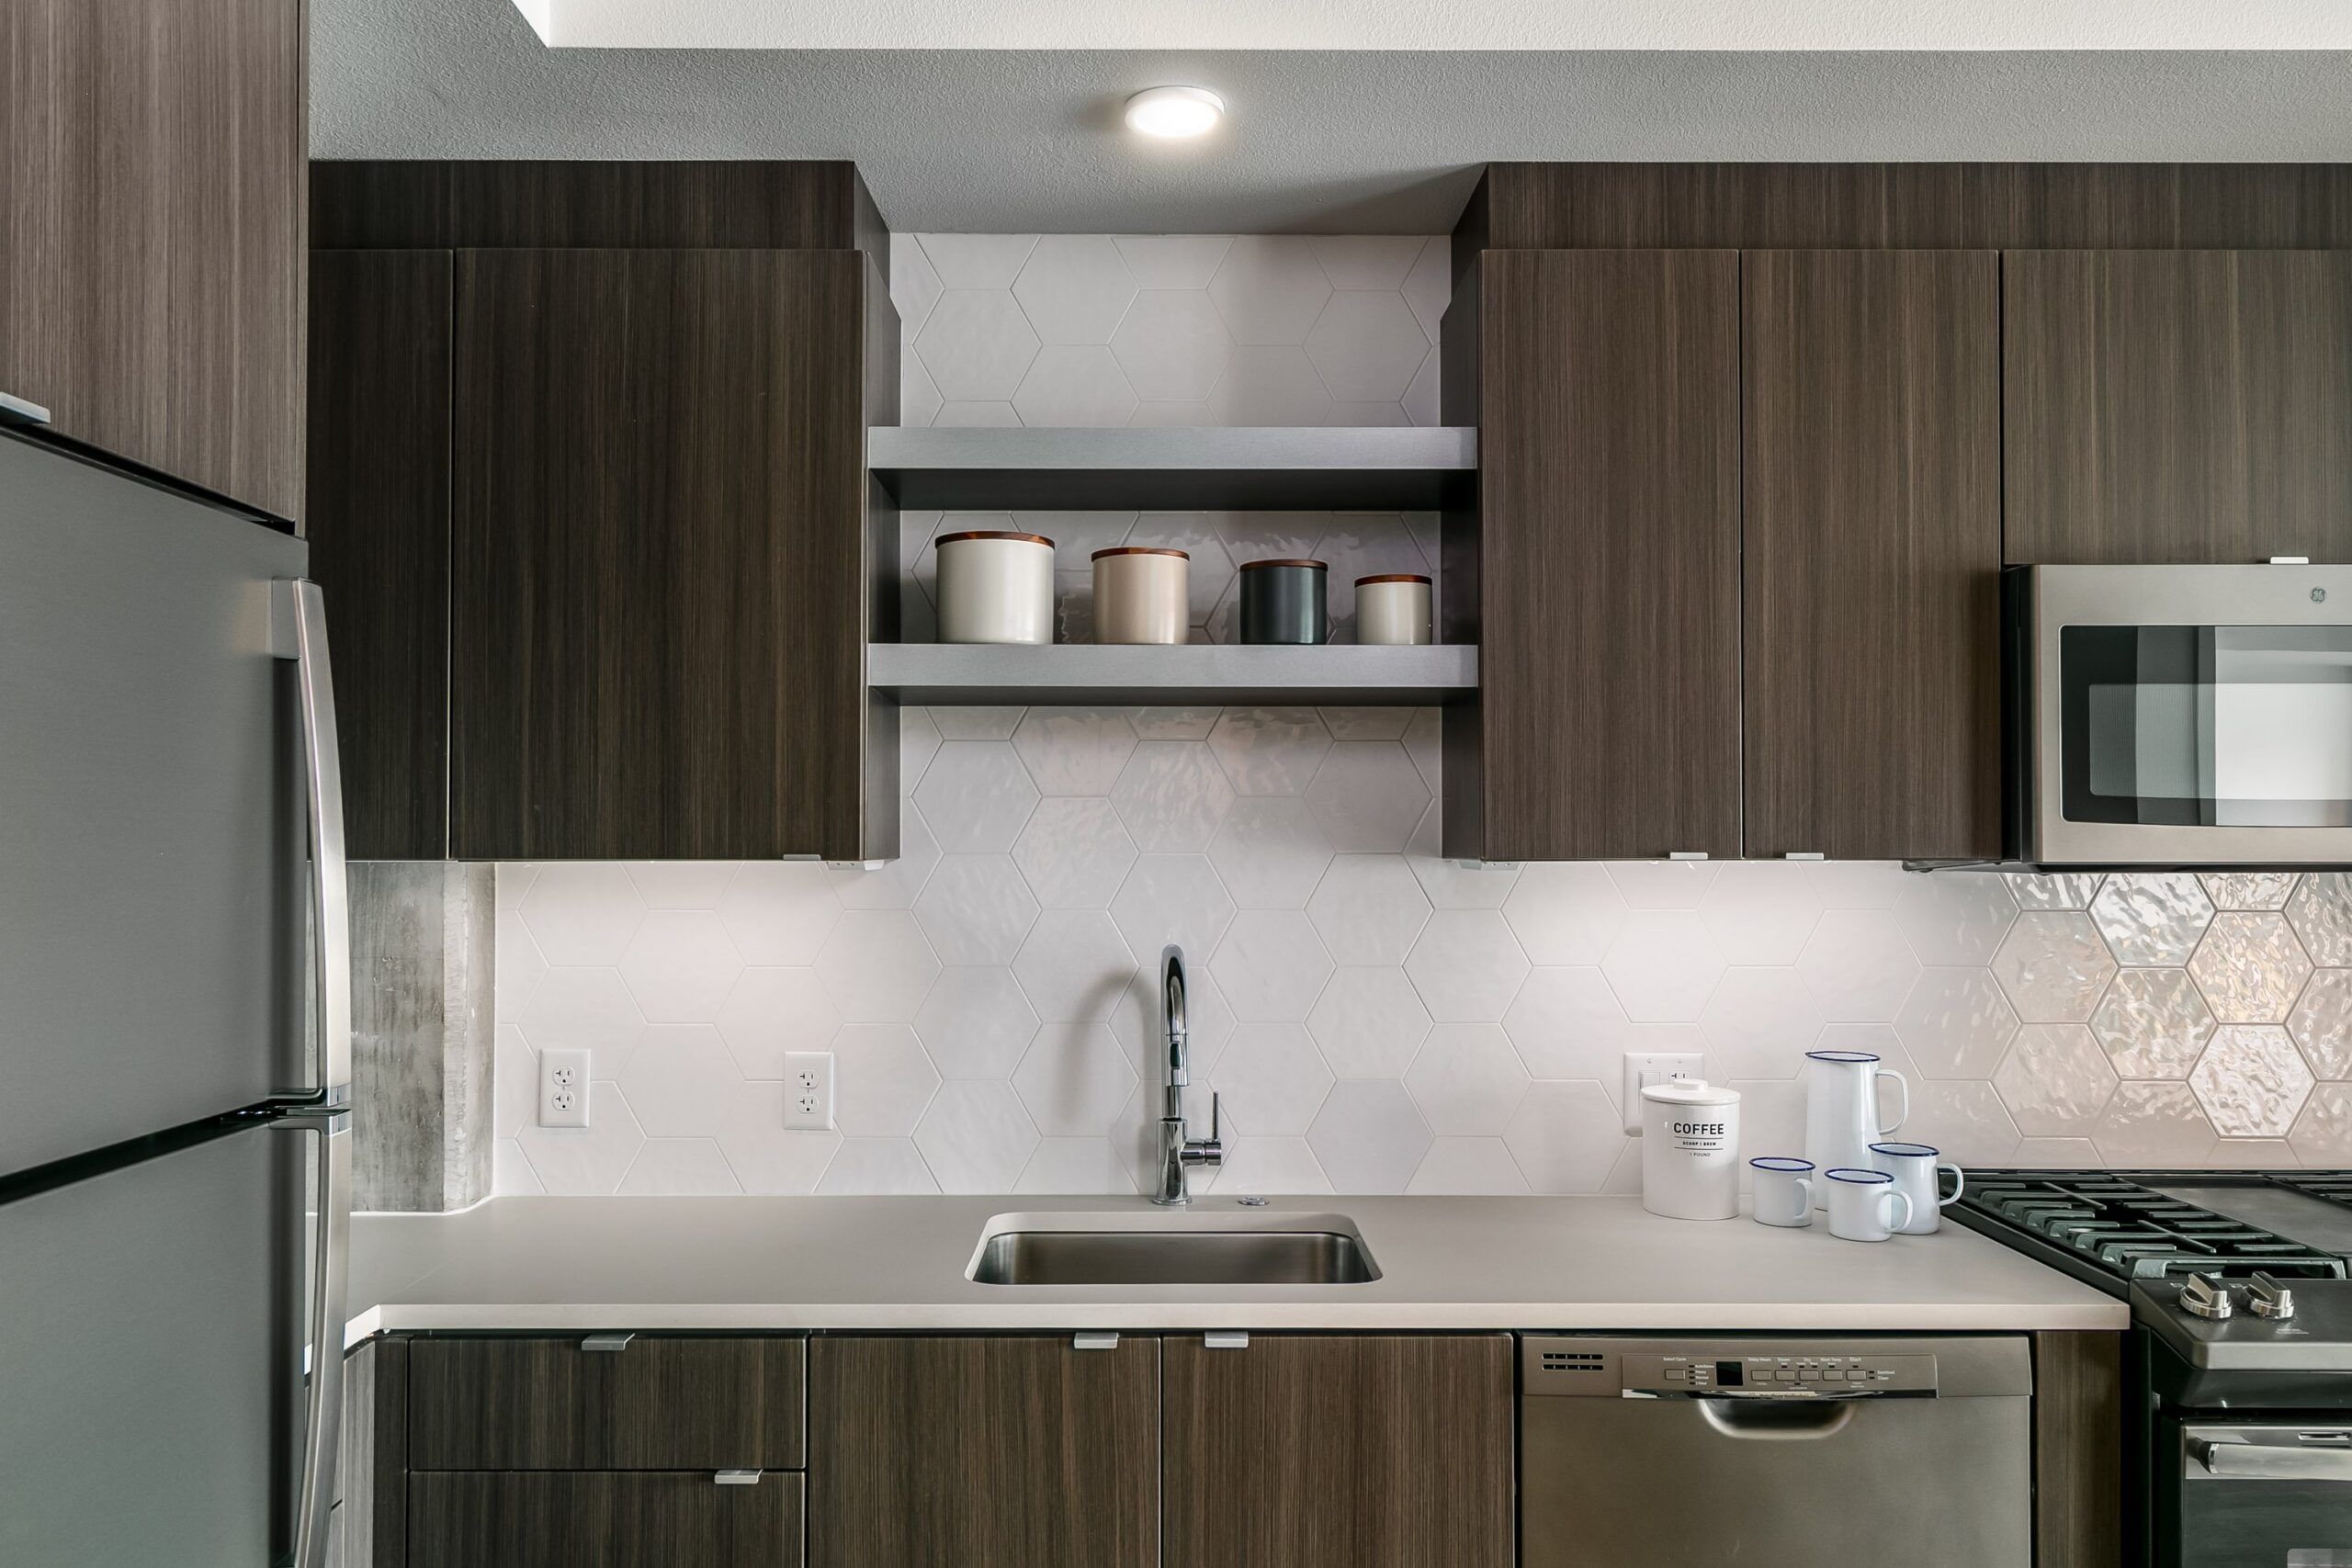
(1783,1190)
(1864,1205)
(1914,1171)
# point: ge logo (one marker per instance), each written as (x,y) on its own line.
(2319,595)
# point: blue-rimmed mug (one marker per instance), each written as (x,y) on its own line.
(1783,1190)
(1864,1205)
(1917,1177)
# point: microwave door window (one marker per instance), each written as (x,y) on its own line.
(2233,727)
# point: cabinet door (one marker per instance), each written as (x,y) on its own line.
(1872,544)
(593,1519)
(1014,1453)
(2177,406)
(658,592)
(153,227)
(378,518)
(1605,563)
(1333,1452)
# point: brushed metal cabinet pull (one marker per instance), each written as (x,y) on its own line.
(1227,1339)
(1093,1341)
(737,1478)
(606,1341)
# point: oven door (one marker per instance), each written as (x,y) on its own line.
(2188,716)
(2263,1495)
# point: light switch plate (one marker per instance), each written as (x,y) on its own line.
(1644,1068)
(563,1088)
(809,1091)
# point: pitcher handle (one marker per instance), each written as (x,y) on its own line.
(1901,1083)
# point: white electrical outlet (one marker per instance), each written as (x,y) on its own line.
(563,1088)
(808,1090)
(1644,1068)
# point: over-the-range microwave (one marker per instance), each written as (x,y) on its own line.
(2178,716)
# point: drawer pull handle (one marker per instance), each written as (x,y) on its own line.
(1093,1341)
(737,1478)
(606,1341)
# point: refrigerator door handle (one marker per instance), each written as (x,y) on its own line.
(329,1274)
(300,626)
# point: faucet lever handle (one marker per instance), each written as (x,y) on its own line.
(1216,1117)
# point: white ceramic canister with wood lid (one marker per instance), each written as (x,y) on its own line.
(996,587)
(1139,595)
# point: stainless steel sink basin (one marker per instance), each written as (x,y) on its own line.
(1173,1257)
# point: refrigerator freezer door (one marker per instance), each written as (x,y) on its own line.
(150,789)
(150,1350)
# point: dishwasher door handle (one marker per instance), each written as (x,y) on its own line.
(1779,1420)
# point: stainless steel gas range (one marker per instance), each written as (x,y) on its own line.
(2239,1444)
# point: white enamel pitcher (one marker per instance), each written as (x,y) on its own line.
(1841,1120)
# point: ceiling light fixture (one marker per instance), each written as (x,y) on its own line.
(1173,112)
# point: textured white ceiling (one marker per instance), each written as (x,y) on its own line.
(1328,142)
(1442,24)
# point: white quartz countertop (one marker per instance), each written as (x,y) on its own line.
(1445,1263)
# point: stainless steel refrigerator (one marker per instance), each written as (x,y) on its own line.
(174,1047)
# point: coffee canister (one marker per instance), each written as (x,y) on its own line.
(1139,595)
(996,587)
(1690,1150)
(1393,610)
(1286,601)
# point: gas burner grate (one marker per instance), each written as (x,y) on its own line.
(2125,1230)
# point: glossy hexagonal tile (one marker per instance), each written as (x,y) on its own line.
(976,797)
(1271,852)
(1367,261)
(2252,1081)
(1369,1021)
(2053,967)
(877,1166)
(2152,917)
(511,1175)
(2055,1080)
(516,964)
(2321,1023)
(1664,883)
(2250,967)
(680,965)
(680,1080)
(1369,1137)
(1468,1167)
(975,260)
(1955,918)
(1567,1023)
(1858,966)
(1966,1122)
(1172,899)
(1566,1136)
(681,884)
(1467,966)
(1366,346)
(1074,751)
(586,1162)
(1369,797)
(1663,965)
(977,721)
(1271,965)
(582,913)
(1760,1022)
(1956,1022)
(1272,1078)
(1760,911)
(1074,289)
(515,1080)
(975,1023)
(877,967)
(782,911)
(1468,1080)
(1172,796)
(766,1157)
(1076,1166)
(977,345)
(585,1009)
(1366,724)
(772,1011)
(680,1167)
(1074,389)
(1173,345)
(2321,909)
(2152,1023)
(1857,884)
(1257,1163)
(914,286)
(895,884)
(882,1079)
(1073,965)
(1452,884)
(1075,853)
(2249,889)
(1173,724)
(1138,1023)
(1270,750)
(1368,908)
(2322,1132)
(2152,1123)
(974,1136)
(1564,911)
(1269,387)
(975,910)
(1270,288)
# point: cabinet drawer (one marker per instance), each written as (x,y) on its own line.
(657,1403)
(587,1519)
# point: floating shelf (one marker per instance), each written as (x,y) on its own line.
(1194,675)
(1352,469)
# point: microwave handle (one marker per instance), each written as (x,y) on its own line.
(2268,1461)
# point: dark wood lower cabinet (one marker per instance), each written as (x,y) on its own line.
(601,1519)
(2078,1393)
(1338,1452)
(967,1452)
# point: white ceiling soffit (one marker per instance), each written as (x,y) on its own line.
(1442,24)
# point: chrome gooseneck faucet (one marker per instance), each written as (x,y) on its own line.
(1177,1148)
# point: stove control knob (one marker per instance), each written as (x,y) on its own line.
(2265,1297)
(2205,1297)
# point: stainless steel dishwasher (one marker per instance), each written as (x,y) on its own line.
(1775,1453)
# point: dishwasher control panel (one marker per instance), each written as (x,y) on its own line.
(1632,1369)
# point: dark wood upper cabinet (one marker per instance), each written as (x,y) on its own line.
(1000,1452)
(378,524)
(1600,568)
(1333,1451)
(153,227)
(1872,541)
(660,591)
(2177,406)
